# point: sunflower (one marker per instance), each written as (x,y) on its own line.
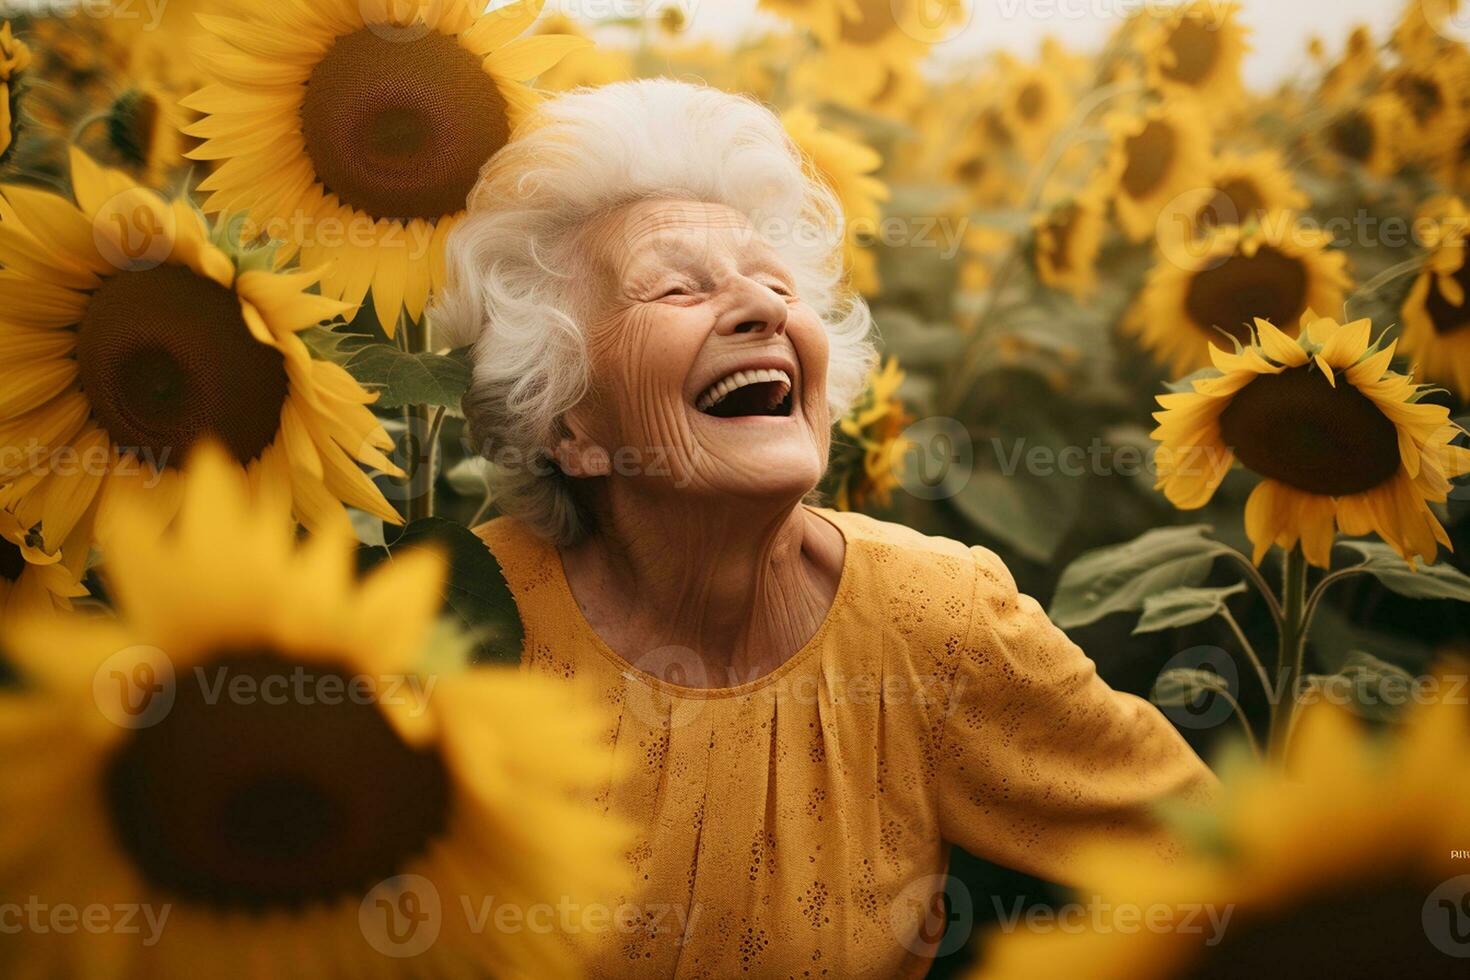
(355,129)
(1329,869)
(1227,279)
(142,126)
(1436,319)
(1068,239)
(846,166)
(1339,439)
(1155,156)
(861,39)
(1370,135)
(1242,189)
(15,58)
(876,425)
(1358,67)
(130,335)
(1432,93)
(31,581)
(1423,33)
(1197,51)
(1034,104)
(329,784)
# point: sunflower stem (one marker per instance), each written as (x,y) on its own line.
(1253,574)
(1293,644)
(422,434)
(1252,656)
(1245,725)
(1384,278)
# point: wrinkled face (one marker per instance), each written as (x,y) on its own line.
(709,372)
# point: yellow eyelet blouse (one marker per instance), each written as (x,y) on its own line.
(793,826)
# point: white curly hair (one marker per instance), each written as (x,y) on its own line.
(513,272)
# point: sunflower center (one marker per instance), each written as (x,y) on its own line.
(270,784)
(1446,317)
(1360,933)
(1235,202)
(995,128)
(1062,226)
(12,562)
(1031,101)
(1296,427)
(1150,155)
(166,359)
(1353,136)
(131,126)
(1196,49)
(879,17)
(1268,285)
(400,130)
(1421,95)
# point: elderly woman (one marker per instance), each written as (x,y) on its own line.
(810,707)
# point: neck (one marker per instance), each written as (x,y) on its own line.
(706,595)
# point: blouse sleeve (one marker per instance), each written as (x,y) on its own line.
(1039,755)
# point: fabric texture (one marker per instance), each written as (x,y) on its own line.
(799,825)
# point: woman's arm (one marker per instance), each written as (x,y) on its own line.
(1039,755)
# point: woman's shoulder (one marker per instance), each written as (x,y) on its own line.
(901,548)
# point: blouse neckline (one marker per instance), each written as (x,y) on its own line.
(573,610)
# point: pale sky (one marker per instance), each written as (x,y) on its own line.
(1280,27)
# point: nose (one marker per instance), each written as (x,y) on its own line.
(753,309)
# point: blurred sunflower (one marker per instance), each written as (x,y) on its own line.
(1242,189)
(1358,66)
(15,58)
(1197,50)
(1068,239)
(876,425)
(31,581)
(340,120)
(132,336)
(846,166)
(1436,319)
(1325,870)
(1155,157)
(1229,278)
(1433,94)
(142,126)
(288,825)
(1341,442)
(1423,32)
(1034,104)
(1370,135)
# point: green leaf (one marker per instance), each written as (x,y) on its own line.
(475,589)
(1184,607)
(1030,514)
(1184,686)
(403,379)
(1369,687)
(1438,581)
(333,345)
(1121,578)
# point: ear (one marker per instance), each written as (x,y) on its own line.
(578,455)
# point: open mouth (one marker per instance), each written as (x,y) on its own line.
(762,392)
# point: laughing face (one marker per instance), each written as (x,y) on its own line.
(709,373)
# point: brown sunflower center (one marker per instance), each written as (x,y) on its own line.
(1195,46)
(12,562)
(1353,136)
(1422,95)
(166,359)
(1062,225)
(1031,101)
(270,784)
(400,129)
(1446,317)
(1150,155)
(879,17)
(1235,202)
(994,128)
(1365,932)
(1296,427)
(132,125)
(1230,296)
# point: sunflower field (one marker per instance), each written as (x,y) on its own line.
(1192,357)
